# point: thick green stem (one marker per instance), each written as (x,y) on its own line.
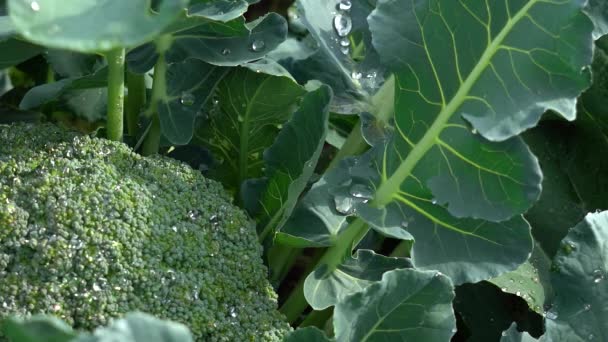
(135,102)
(152,142)
(354,145)
(317,319)
(281,258)
(116,93)
(402,249)
(159,91)
(296,303)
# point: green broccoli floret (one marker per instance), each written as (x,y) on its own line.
(90,230)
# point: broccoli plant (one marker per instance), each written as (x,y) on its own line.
(400,170)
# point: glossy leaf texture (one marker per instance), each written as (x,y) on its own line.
(529,281)
(405,305)
(243,121)
(190,85)
(91,25)
(230,43)
(290,162)
(581,269)
(580,282)
(332,28)
(326,288)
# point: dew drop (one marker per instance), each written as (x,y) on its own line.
(344,42)
(258,45)
(598,276)
(187,99)
(454,330)
(590,337)
(35,6)
(405,224)
(361,191)
(226,51)
(345,5)
(356,75)
(552,315)
(504,333)
(345,50)
(587,307)
(474,131)
(434,201)
(518,293)
(342,25)
(344,205)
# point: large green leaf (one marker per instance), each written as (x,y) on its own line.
(291,160)
(244,121)
(574,181)
(580,282)
(230,43)
(500,71)
(406,305)
(91,25)
(190,85)
(37,329)
(134,327)
(325,288)
(15,51)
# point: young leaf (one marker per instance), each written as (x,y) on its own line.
(244,120)
(91,25)
(291,160)
(406,305)
(324,289)
(530,280)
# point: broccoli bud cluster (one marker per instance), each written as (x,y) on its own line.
(90,230)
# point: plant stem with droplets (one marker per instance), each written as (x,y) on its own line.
(116,93)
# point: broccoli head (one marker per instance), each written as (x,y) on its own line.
(90,230)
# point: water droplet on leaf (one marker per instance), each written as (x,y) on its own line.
(361,191)
(342,25)
(345,5)
(258,45)
(187,99)
(344,42)
(35,6)
(226,51)
(356,75)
